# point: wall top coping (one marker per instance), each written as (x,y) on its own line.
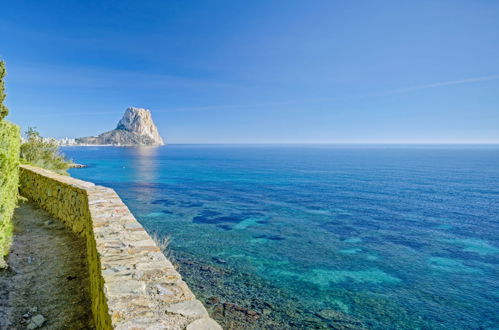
(77,183)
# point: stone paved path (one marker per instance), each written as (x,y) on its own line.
(47,275)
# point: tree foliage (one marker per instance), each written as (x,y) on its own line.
(43,152)
(3,109)
(10,139)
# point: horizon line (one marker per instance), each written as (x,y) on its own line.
(301,143)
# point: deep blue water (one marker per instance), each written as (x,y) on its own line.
(382,236)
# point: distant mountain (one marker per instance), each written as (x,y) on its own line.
(136,128)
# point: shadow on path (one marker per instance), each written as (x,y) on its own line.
(46,285)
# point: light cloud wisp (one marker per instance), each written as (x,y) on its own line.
(308,101)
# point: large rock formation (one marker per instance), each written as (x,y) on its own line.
(135,128)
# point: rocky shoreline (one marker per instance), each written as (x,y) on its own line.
(74,165)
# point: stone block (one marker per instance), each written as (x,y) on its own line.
(192,308)
(204,324)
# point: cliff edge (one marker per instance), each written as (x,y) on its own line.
(136,128)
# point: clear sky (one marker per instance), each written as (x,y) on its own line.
(257,71)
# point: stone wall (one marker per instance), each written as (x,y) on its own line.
(133,285)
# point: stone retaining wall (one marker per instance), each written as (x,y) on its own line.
(132,284)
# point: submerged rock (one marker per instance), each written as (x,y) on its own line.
(219,260)
(36,322)
(212,300)
(329,314)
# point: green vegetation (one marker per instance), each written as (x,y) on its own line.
(10,141)
(3,109)
(43,152)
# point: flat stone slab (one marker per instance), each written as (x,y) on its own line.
(192,308)
(204,324)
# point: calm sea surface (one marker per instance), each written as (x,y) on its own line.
(321,236)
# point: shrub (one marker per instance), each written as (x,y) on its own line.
(3,109)
(43,152)
(10,139)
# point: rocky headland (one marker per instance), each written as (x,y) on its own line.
(136,128)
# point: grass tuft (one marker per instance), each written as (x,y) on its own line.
(163,242)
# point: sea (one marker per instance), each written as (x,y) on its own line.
(320,236)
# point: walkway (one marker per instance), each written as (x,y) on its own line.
(46,285)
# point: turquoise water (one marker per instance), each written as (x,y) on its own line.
(321,236)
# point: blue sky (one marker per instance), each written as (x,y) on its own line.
(257,71)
